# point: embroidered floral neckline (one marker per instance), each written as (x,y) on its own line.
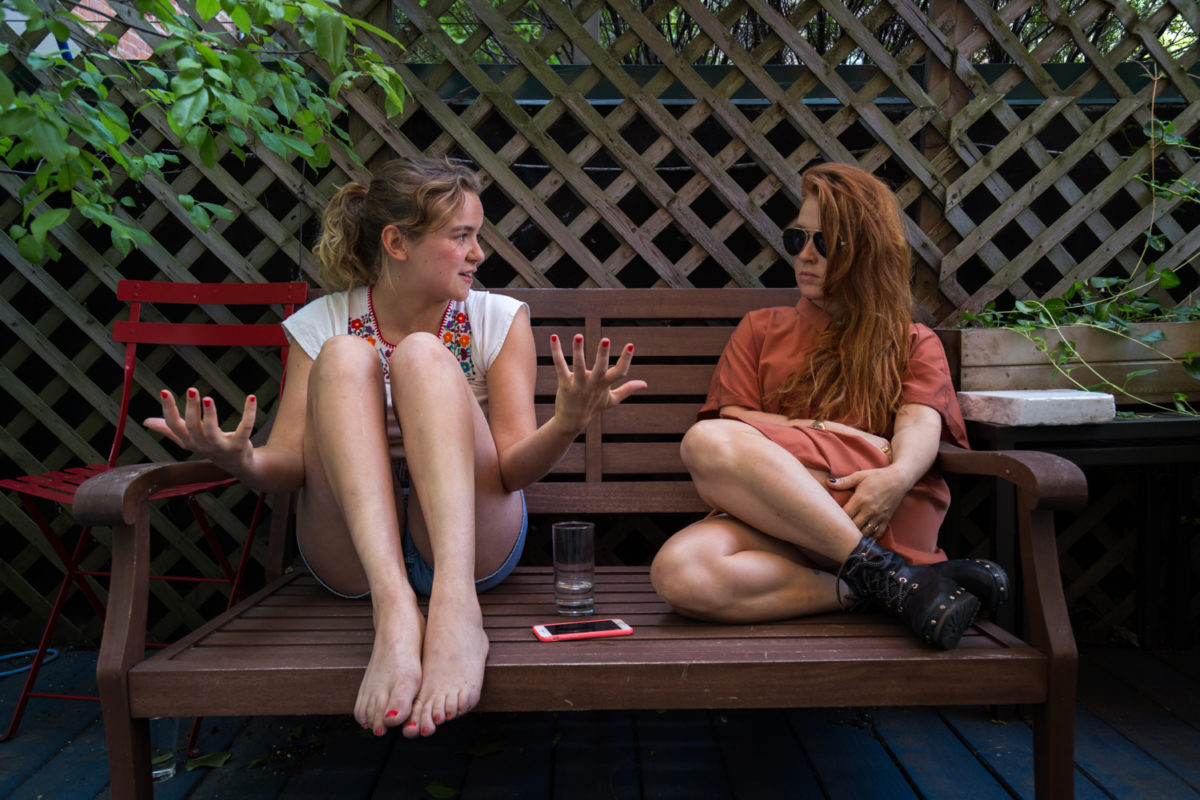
(454,331)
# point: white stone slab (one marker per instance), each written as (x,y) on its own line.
(1037,406)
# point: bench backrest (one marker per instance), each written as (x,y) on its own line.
(628,459)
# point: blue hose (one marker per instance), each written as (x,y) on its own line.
(51,654)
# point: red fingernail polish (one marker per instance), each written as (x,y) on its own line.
(253,399)
(579,337)
(164,394)
(208,402)
(628,348)
(604,343)
(193,393)
(554,337)
(392,714)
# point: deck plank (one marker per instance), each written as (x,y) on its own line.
(595,757)
(844,748)
(936,760)
(1007,749)
(762,754)
(680,759)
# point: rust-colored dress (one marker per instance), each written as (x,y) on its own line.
(771,343)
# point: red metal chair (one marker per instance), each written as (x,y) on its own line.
(60,486)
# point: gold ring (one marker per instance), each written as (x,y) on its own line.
(887,449)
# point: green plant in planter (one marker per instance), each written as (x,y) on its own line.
(1115,305)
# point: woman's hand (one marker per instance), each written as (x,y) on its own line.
(584,393)
(198,430)
(876,496)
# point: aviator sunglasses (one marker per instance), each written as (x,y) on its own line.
(795,239)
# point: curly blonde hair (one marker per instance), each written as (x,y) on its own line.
(417,195)
(854,373)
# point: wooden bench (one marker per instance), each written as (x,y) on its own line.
(292,648)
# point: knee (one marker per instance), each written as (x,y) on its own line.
(707,446)
(348,360)
(418,351)
(688,581)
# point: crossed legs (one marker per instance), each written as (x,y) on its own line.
(421,672)
(771,555)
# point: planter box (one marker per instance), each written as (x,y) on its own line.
(997,358)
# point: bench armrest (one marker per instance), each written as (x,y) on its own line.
(1044,482)
(1044,479)
(113,497)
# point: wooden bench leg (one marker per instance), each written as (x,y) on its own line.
(128,743)
(1054,750)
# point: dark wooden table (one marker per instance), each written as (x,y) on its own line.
(1161,451)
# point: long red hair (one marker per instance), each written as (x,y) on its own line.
(854,372)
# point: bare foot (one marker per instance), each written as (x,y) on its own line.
(455,652)
(393,674)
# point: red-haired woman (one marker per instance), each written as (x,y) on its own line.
(818,437)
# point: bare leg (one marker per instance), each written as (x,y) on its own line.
(740,471)
(467,528)
(721,569)
(349,509)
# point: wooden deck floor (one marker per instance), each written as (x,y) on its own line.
(1138,737)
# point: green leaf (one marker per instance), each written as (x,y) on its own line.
(187,83)
(48,140)
(219,211)
(208,760)
(200,218)
(207,9)
(188,110)
(1137,373)
(1153,337)
(1192,367)
(30,249)
(241,18)
(331,39)
(436,788)
(47,220)
(1168,279)
(208,150)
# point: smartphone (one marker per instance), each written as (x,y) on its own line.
(588,629)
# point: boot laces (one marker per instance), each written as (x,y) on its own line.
(884,586)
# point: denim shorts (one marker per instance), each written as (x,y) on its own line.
(420,571)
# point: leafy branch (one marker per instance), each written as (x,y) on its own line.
(220,77)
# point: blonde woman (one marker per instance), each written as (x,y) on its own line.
(407,423)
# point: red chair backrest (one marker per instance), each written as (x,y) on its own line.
(135,331)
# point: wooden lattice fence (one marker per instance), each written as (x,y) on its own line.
(625,144)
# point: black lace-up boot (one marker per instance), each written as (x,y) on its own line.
(933,605)
(982,578)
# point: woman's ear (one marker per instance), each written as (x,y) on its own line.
(394,243)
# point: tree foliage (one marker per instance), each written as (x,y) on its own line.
(225,73)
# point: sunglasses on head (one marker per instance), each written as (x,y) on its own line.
(795,240)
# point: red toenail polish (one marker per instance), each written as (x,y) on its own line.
(437,719)
(449,715)
(424,730)
(379,731)
(412,724)
(392,714)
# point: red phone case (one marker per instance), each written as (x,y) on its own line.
(569,635)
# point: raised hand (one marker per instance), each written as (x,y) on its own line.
(198,429)
(584,393)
